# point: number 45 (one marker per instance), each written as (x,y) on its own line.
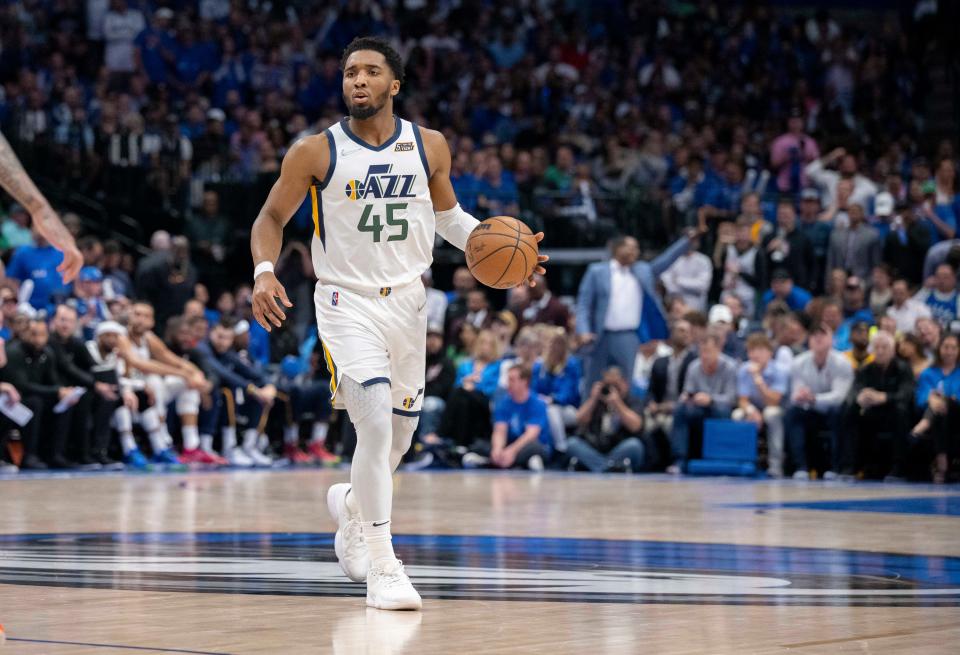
(371,223)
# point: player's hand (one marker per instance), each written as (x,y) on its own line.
(538,269)
(266,289)
(131,401)
(70,267)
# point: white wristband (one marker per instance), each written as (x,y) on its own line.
(262,267)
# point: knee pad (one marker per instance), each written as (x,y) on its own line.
(403,429)
(188,402)
(361,401)
(150,419)
(122,420)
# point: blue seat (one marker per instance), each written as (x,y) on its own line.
(729,448)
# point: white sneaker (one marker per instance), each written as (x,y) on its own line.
(389,588)
(801,474)
(348,543)
(473,460)
(258,458)
(830,475)
(535,463)
(237,457)
(674,469)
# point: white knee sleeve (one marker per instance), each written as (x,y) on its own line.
(122,420)
(150,419)
(403,429)
(370,410)
(188,402)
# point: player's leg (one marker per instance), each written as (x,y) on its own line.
(234,455)
(123,424)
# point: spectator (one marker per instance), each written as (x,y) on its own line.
(820,380)
(744,269)
(690,277)
(910,349)
(904,309)
(906,246)
(38,264)
(440,378)
(166,278)
(880,292)
(610,423)
(930,332)
(121,25)
(855,249)
(859,354)
(436,300)
(722,326)
(667,378)
(31,368)
(88,300)
(854,310)
(463,283)
(556,379)
(880,402)
(783,289)
(827,180)
(945,251)
(116,281)
(543,307)
(615,330)
(791,152)
(709,391)
(15,231)
(938,398)
(790,248)
(209,232)
(943,300)
(761,386)
(818,235)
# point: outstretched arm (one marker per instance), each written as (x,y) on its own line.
(306,159)
(19,185)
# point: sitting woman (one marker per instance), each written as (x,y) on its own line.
(556,378)
(466,418)
(938,397)
(910,350)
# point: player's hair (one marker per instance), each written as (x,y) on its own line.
(376,44)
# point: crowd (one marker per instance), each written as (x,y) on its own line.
(816,298)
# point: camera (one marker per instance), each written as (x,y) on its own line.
(605,390)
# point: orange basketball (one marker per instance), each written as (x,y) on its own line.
(501,252)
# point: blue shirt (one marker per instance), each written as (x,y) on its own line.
(563,387)
(841,338)
(489,377)
(796,300)
(932,379)
(776,378)
(259,348)
(39,265)
(518,416)
(943,307)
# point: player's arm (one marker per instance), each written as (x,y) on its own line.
(307,159)
(19,185)
(164,355)
(146,366)
(453,223)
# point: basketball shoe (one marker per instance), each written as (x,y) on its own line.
(389,588)
(348,543)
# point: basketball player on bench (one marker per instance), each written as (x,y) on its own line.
(380,189)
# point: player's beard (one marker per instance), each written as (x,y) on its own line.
(368,111)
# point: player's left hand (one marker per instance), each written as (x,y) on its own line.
(539,270)
(70,267)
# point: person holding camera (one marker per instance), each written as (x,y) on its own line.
(609,426)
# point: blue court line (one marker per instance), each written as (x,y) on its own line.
(83,643)
(948,505)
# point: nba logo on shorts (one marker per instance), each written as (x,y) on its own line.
(335,299)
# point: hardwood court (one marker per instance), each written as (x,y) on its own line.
(506,563)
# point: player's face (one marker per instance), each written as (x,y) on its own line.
(141,318)
(108,342)
(368,83)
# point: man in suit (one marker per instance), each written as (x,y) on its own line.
(855,249)
(618,306)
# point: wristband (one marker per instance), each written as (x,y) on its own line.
(262,267)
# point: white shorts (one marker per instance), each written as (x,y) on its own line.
(376,339)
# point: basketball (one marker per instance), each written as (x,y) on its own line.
(501,252)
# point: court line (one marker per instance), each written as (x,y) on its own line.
(121,646)
(880,635)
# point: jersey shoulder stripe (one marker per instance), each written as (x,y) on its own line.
(333,159)
(423,153)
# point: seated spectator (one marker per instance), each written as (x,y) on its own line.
(647,353)
(32,369)
(526,351)
(744,269)
(15,230)
(543,307)
(721,325)
(436,299)
(10,394)
(88,300)
(881,295)
(690,277)
(609,428)
(943,299)
(761,386)
(910,349)
(39,265)
(855,248)
(938,398)
(440,377)
(853,311)
(709,391)
(817,233)
(116,281)
(791,339)
(880,403)
(460,349)
(906,245)
(819,380)
(521,433)
(783,289)
(556,379)
(904,309)
(667,378)
(859,354)
(504,327)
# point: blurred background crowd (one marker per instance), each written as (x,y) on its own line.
(812,176)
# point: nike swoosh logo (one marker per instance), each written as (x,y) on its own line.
(420,308)
(344,152)
(377,525)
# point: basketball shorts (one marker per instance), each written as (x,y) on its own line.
(376,339)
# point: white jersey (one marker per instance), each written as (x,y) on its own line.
(373,218)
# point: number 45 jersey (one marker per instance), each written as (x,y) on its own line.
(372,215)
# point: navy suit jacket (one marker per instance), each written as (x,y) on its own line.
(593,298)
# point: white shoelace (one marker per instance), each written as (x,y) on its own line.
(395,577)
(353,534)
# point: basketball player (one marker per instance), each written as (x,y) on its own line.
(168,378)
(380,188)
(19,185)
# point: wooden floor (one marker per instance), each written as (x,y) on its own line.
(506,562)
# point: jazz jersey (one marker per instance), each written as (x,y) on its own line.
(373,218)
